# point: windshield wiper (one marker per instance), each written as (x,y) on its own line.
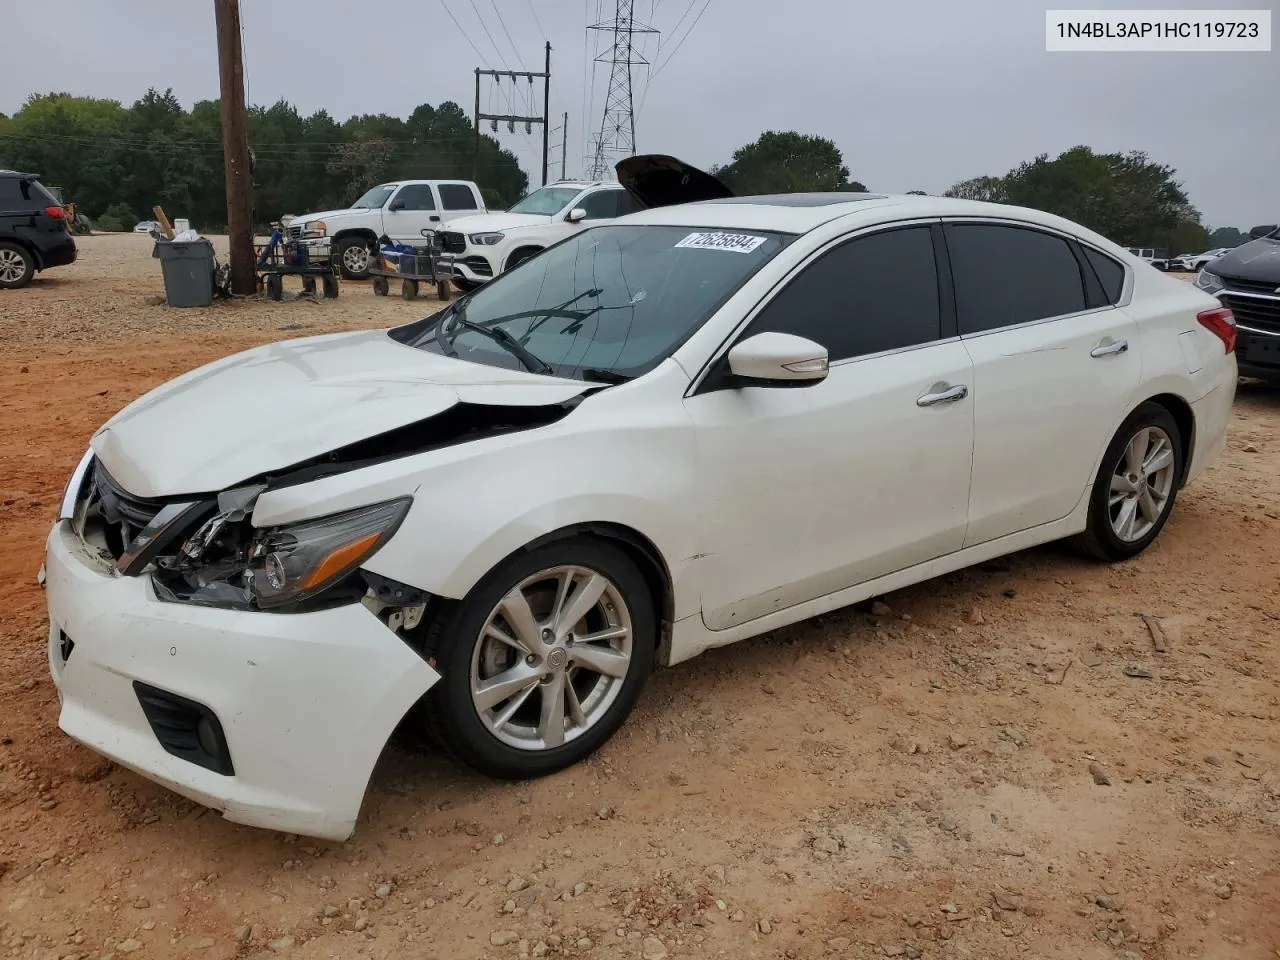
(513,346)
(601,375)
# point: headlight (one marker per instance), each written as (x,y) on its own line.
(312,231)
(485,239)
(296,562)
(1208,282)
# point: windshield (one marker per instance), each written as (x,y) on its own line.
(608,303)
(546,202)
(375,198)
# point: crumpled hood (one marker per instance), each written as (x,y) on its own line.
(492,222)
(284,403)
(1257,260)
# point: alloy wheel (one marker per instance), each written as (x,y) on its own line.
(12,266)
(356,258)
(552,658)
(1141,484)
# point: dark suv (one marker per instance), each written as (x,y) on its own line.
(33,229)
(1247,279)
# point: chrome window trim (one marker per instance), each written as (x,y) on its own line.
(1126,292)
(727,343)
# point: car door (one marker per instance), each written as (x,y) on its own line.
(457,200)
(411,210)
(806,491)
(1053,368)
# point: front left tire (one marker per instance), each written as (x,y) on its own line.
(543,660)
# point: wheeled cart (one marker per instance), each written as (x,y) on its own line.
(412,266)
(279,258)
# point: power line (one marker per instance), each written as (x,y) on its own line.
(670,56)
(485,27)
(514,48)
(529,3)
(464,33)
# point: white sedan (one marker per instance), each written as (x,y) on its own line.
(665,434)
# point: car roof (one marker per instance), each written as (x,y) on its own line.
(19,175)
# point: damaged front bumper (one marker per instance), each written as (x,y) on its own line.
(275,720)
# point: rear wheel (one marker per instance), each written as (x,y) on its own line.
(16,266)
(544,659)
(1136,486)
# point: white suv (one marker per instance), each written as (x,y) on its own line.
(479,248)
(405,211)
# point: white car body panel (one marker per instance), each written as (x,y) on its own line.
(521,232)
(266,672)
(320,393)
(765,506)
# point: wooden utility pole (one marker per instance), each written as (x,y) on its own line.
(235,147)
(546,113)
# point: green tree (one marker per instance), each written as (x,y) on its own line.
(787,162)
(987,189)
(1127,198)
(1226,237)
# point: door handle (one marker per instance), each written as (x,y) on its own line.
(1109,349)
(435,219)
(942,393)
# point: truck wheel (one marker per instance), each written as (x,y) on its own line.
(16,266)
(353,256)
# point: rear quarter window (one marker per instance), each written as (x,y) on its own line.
(1109,273)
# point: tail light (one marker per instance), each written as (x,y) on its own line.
(56,212)
(1222,324)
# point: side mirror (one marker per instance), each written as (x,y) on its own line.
(780,359)
(1259,232)
(576,215)
(396,205)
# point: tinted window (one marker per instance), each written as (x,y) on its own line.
(628,204)
(457,196)
(601,205)
(1008,275)
(871,294)
(416,196)
(10,192)
(18,194)
(1110,274)
(612,298)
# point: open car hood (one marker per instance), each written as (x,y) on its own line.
(657,180)
(286,404)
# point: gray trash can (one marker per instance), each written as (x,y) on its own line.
(188,271)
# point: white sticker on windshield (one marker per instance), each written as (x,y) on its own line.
(736,242)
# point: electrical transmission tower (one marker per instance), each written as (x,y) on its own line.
(618,125)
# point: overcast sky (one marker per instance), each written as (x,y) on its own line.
(917,93)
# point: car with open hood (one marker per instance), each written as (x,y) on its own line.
(477,249)
(663,434)
(1247,280)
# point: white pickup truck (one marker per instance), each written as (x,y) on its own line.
(405,211)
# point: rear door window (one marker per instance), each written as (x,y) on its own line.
(1109,273)
(601,205)
(457,196)
(1007,275)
